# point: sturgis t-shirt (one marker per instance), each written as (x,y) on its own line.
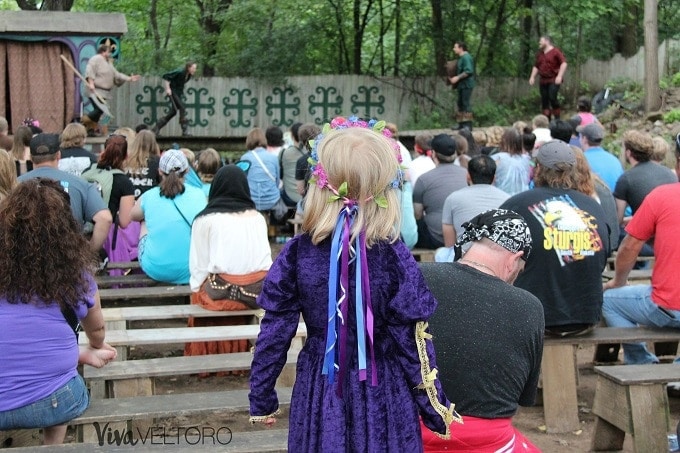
(570,248)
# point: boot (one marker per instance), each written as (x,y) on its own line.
(546,112)
(88,123)
(467,118)
(556,113)
(185,128)
(159,125)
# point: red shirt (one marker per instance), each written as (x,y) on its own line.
(659,217)
(548,64)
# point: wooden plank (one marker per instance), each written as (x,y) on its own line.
(611,404)
(560,402)
(607,437)
(107,281)
(148,313)
(640,374)
(265,440)
(174,366)
(618,335)
(650,417)
(423,255)
(176,335)
(154,292)
(123,265)
(176,405)
(635,274)
(20,438)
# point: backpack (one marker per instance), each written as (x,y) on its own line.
(102,179)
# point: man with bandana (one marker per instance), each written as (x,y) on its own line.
(488,349)
(570,243)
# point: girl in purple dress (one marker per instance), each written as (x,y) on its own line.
(367,371)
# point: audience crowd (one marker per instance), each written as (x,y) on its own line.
(532,211)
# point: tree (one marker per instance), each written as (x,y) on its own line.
(652,90)
(46,5)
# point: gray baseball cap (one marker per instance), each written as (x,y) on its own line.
(557,155)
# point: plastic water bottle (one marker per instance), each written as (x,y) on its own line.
(673,442)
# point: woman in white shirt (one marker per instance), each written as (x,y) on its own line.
(228,239)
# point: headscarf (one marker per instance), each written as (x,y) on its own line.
(506,228)
(229,192)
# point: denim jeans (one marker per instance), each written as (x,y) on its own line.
(66,403)
(630,306)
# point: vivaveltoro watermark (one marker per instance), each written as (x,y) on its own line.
(161,435)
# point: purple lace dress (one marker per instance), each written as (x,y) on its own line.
(367,418)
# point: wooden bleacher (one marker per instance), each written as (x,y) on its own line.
(632,399)
(559,370)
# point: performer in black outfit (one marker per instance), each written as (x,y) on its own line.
(173,82)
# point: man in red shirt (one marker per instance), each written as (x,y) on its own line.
(550,65)
(658,304)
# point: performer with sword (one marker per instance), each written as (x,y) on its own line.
(173,82)
(101,77)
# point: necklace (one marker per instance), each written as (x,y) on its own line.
(480,266)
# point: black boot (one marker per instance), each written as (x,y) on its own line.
(159,125)
(185,128)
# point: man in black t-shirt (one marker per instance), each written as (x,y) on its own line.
(487,333)
(571,243)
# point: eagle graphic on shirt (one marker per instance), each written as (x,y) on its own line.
(568,230)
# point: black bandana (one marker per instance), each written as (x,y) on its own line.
(506,228)
(229,192)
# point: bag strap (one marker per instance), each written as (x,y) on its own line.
(72,320)
(180,213)
(264,167)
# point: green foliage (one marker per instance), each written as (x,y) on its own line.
(672,117)
(675,79)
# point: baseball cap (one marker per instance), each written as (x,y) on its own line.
(444,144)
(44,144)
(593,132)
(557,155)
(173,160)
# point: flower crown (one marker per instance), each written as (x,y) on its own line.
(319,175)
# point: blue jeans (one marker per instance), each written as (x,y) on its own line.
(66,403)
(630,306)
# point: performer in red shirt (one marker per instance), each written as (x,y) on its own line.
(550,65)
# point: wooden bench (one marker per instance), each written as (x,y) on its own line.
(126,378)
(632,399)
(126,410)
(297,223)
(107,281)
(176,335)
(634,275)
(153,292)
(559,370)
(265,440)
(123,265)
(150,313)
(423,255)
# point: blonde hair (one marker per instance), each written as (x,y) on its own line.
(520,126)
(494,135)
(73,136)
(583,177)
(126,132)
(480,137)
(541,121)
(8,173)
(367,163)
(190,155)
(661,149)
(141,149)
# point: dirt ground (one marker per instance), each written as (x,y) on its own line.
(528,420)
